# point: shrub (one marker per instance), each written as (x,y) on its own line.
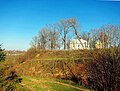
(2,54)
(104,69)
(9,82)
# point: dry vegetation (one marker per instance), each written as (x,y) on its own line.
(96,69)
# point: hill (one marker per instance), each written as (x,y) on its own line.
(83,67)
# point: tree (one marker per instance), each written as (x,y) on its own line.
(94,37)
(7,81)
(113,33)
(64,28)
(2,54)
(43,38)
(74,25)
(108,35)
(53,37)
(34,42)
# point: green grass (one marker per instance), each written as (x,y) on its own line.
(47,84)
(58,87)
(38,88)
(21,88)
(67,82)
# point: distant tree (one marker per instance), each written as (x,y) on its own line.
(93,38)
(113,35)
(53,37)
(74,24)
(88,39)
(2,54)
(43,38)
(108,35)
(64,28)
(34,42)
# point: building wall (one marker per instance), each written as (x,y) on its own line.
(75,44)
(98,44)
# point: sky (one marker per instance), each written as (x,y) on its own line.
(20,20)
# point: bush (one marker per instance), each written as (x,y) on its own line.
(2,54)
(104,69)
(9,82)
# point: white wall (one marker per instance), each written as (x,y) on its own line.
(75,44)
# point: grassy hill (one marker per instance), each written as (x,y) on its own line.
(35,68)
(39,69)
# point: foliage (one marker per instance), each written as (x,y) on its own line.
(96,69)
(2,54)
(104,69)
(31,53)
(9,82)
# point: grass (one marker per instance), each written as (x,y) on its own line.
(48,84)
(58,87)
(67,82)
(21,88)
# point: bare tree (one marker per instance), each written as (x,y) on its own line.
(108,35)
(53,37)
(34,42)
(64,28)
(113,33)
(74,25)
(43,38)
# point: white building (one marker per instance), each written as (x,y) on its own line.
(98,44)
(75,44)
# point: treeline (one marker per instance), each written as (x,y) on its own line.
(57,36)
(11,52)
